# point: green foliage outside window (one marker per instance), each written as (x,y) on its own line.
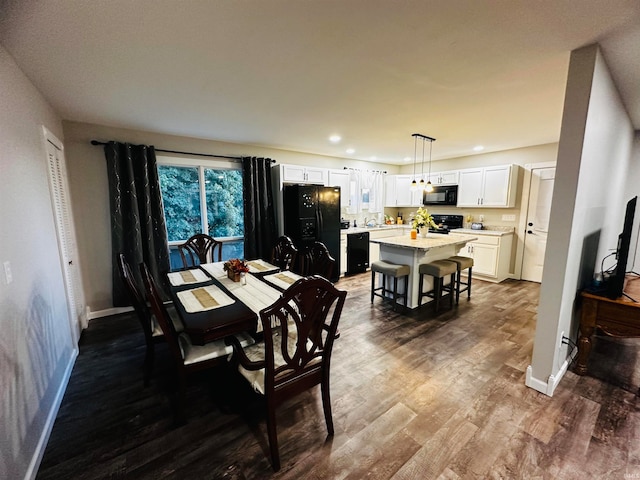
(180,188)
(225,211)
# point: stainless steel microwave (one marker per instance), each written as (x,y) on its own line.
(441,195)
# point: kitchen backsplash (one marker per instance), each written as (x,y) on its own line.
(491,218)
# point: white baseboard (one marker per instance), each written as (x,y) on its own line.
(34,464)
(108,311)
(552,382)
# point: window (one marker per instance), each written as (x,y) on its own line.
(202,196)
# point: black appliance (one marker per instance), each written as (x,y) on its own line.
(441,195)
(446,222)
(357,252)
(312,214)
(615,284)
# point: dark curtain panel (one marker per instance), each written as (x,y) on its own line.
(137,217)
(259,213)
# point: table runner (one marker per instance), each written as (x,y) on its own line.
(216,269)
(255,294)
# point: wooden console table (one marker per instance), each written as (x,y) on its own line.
(616,318)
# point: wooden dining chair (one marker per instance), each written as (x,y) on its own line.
(187,358)
(284,253)
(307,317)
(152,331)
(316,260)
(200,248)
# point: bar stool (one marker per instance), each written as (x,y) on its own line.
(463,263)
(438,269)
(392,270)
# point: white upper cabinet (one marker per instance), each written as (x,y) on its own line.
(300,174)
(390,191)
(488,186)
(444,178)
(470,187)
(398,192)
(342,179)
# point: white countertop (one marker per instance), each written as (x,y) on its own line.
(433,240)
(370,229)
(495,233)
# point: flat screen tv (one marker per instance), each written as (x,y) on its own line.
(615,283)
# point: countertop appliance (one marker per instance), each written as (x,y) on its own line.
(441,195)
(357,252)
(446,223)
(312,213)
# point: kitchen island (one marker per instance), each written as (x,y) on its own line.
(413,252)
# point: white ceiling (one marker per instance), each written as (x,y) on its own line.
(289,73)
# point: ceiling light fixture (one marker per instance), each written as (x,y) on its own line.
(421,185)
(335,138)
(351,150)
(478,148)
(414,185)
(428,186)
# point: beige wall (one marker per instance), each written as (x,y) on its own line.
(36,348)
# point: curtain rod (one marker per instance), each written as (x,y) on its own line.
(365,170)
(95,142)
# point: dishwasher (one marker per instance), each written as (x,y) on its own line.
(357,252)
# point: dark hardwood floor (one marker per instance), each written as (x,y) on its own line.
(414,397)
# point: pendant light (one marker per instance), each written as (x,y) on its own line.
(414,185)
(429,186)
(422,186)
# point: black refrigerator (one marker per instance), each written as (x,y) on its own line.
(312,213)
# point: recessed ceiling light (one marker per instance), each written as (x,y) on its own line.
(351,150)
(407,159)
(335,138)
(478,148)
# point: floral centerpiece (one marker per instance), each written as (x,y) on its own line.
(423,220)
(235,268)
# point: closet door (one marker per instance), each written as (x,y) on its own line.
(66,234)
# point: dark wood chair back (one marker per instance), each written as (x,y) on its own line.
(160,311)
(317,260)
(200,248)
(307,315)
(284,253)
(142,311)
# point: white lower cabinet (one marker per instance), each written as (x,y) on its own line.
(491,256)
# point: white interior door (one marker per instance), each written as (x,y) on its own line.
(537,226)
(66,233)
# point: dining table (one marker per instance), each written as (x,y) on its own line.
(213,306)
